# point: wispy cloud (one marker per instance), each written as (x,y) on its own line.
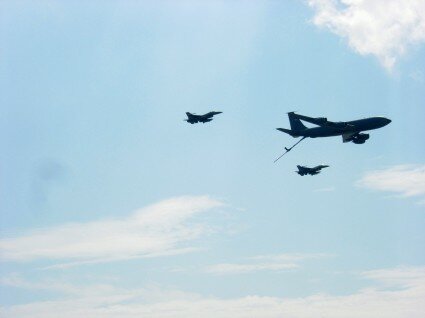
(160,229)
(277,262)
(383,28)
(417,76)
(405,180)
(401,277)
(229,268)
(392,293)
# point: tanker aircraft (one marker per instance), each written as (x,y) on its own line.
(351,131)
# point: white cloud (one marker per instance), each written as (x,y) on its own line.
(383,28)
(403,276)
(396,293)
(229,268)
(278,262)
(159,229)
(406,180)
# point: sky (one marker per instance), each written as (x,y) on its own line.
(112,206)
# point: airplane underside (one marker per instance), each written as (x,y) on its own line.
(307,173)
(347,136)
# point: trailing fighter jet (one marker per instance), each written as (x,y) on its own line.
(302,171)
(350,130)
(193,118)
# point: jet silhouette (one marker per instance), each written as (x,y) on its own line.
(302,171)
(193,118)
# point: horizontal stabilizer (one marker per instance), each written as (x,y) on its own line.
(288,131)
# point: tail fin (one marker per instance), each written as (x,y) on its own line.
(288,131)
(296,124)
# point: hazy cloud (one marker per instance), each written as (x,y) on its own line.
(278,262)
(402,276)
(405,180)
(241,268)
(383,28)
(417,76)
(395,293)
(160,229)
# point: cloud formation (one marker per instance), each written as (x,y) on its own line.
(395,293)
(278,262)
(405,180)
(383,28)
(159,229)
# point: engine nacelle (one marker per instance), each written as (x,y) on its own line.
(360,138)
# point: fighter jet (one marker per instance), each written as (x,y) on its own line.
(350,130)
(193,118)
(302,171)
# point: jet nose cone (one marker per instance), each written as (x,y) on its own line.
(384,121)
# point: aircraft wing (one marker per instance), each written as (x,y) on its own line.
(339,125)
(324,122)
(320,121)
(211,114)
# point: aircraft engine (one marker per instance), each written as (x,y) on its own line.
(360,138)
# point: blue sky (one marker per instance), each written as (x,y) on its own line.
(112,206)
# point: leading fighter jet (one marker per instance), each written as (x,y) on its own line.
(351,131)
(193,118)
(302,171)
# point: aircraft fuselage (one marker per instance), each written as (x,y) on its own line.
(349,127)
